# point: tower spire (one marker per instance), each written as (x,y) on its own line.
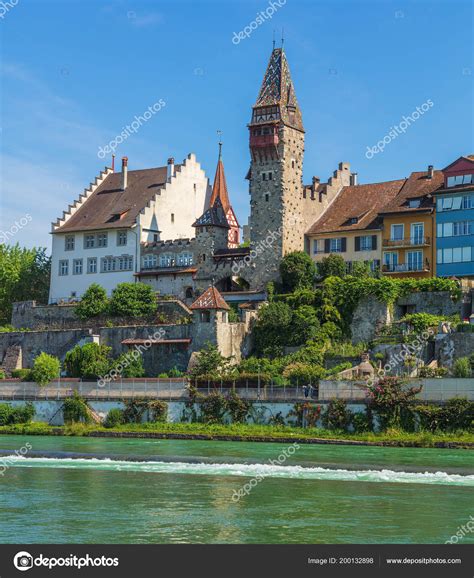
(219,134)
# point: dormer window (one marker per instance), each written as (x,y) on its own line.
(414,203)
(458,180)
(353,220)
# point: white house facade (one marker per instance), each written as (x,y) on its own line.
(98,238)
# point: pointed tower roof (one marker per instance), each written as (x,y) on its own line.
(277,90)
(214,216)
(210,299)
(219,190)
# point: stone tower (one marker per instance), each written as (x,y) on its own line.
(277,209)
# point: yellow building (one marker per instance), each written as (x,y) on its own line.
(351,227)
(408,228)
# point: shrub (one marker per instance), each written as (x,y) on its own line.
(363,421)
(272,330)
(133,300)
(94,302)
(297,271)
(210,361)
(128,365)
(5,411)
(14,415)
(332,266)
(306,413)
(45,368)
(426,371)
(456,414)
(135,410)
(336,416)
(76,410)
(213,408)
(390,400)
(303,373)
(88,361)
(157,410)
(23,374)
(2,374)
(114,418)
(237,407)
(462,367)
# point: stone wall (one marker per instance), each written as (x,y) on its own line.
(432,302)
(369,316)
(30,315)
(452,346)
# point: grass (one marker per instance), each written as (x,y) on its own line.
(250,432)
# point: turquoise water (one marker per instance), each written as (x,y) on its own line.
(82,490)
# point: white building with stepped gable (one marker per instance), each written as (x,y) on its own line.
(98,238)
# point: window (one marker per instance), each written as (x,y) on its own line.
(77,267)
(414,203)
(122,263)
(460,180)
(150,261)
(415,260)
(335,245)
(155,238)
(185,259)
(264,176)
(396,233)
(167,261)
(205,316)
(122,238)
(92,265)
(89,241)
(63,267)
(69,243)
(366,243)
(172,217)
(468,202)
(390,260)
(267,197)
(318,246)
(270,176)
(447,255)
(102,240)
(463,228)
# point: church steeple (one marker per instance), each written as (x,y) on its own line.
(276,100)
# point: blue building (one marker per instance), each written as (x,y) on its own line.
(455,220)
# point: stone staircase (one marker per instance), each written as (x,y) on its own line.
(12,359)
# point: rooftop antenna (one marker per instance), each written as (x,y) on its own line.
(219,134)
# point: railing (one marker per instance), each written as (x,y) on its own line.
(411,242)
(406,267)
(263,140)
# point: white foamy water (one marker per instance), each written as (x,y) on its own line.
(242,470)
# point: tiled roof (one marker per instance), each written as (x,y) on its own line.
(210,299)
(111,207)
(219,190)
(214,216)
(361,202)
(417,186)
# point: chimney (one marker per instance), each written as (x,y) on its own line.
(430,171)
(124,173)
(170,172)
(354,179)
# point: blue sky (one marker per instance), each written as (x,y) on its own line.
(74,73)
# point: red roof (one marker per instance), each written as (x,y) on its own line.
(219,190)
(210,299)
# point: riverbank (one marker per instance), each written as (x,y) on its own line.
(254,433)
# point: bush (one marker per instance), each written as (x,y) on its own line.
(14,415)
(157,410)
(303,373)
(133,300)
(45,368)
(76,410)
(23,374)
(94,302)
(456,414)
(114,418)
(135,410)
(127,365)
(306,413)
(88,361)
(209,362)
(213,408)
(2,374)
(462,367)
(426,371)
(336,416)
(297,271)
(390,400)
(237,407)
(363,422)
(332,266)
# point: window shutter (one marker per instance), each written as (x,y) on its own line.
(326,246)
(343,244)
(374,242)
(357,243)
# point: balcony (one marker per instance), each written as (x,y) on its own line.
(263,140)
(407,267)
(410,242)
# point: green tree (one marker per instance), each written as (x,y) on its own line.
(297,271)
(24,276)
(45,368)
(304,325)
(94,302)
(88,361)
(361,269)
(210,361)
(128,365)
(133,300)
(332,266)
(272,330)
